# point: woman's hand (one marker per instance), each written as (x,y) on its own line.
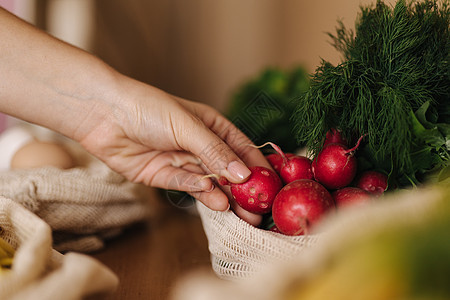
(164,141)
(139,131)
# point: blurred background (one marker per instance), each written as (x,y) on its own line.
(198,49)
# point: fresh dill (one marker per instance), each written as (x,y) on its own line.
(394,62)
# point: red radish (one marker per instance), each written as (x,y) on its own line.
(335,166)
(299,205)
(256,195)
(350,196)
(334,136)
(293,167)
(276,160)
(296,167)
(373,182)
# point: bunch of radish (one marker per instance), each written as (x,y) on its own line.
(301,191)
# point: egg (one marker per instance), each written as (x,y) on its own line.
(11,140)
(37,154)
(21,147)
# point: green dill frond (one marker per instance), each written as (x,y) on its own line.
(396,60)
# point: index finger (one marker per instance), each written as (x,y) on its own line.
(229,133)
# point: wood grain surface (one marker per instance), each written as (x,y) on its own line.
(149,258)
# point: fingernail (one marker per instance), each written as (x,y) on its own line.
(211,189)
(228,208)
(238,170)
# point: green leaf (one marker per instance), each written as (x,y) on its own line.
(444,174)
(262,106)
(393,85)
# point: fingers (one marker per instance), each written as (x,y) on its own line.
(218,200)
(215,199)
(251,218)
(175,170)
(247,216)
(191,178)
(213,196)
(223,149)
(239,142)
(174,178)
(213,151)
(228,132)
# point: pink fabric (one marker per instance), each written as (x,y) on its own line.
(7,4)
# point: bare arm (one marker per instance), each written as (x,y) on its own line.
(142,132)
(46,81)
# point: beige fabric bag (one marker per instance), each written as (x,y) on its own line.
(38,271)
(83,205)
(46,210)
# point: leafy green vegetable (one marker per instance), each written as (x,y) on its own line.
(393,85)
(262,106)
(429,153)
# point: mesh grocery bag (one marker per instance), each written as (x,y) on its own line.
(38,271)
(337,232)
(239,250)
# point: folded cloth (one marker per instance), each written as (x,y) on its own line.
(83,205)
(40,272)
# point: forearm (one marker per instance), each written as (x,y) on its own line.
(48,82)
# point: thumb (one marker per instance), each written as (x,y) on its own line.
(217,156)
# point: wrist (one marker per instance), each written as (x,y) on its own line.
(94,100)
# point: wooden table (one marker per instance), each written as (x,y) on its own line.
(149,258)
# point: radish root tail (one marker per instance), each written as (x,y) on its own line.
(210,176)
(349,151)
(220,179)
(275,147)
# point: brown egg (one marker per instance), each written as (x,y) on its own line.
(37,154)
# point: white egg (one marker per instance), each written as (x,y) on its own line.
(20,150)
